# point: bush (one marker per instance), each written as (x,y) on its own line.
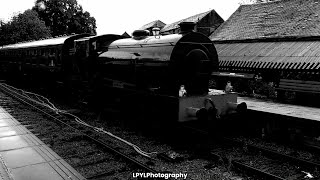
(262,88)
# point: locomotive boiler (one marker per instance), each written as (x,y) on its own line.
(164,77)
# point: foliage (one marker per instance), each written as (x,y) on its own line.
(65,17)
(23,27)
(262,88)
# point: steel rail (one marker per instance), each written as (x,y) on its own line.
(256,171)
(266,151)
(273,153)
(249,169)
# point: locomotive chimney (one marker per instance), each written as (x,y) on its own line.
(186,27)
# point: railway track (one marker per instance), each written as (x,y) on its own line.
(85,149)
(261,162)
(89,152)
(273,153)
(71,148)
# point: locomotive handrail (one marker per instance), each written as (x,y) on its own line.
(142,45)
(195,43)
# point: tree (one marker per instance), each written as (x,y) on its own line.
(65,17)
(23,27)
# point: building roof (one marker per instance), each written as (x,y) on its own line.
(286,18)
(269,55)
(125,34)
(194,19)
(156,23)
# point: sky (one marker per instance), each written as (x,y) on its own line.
(118,16)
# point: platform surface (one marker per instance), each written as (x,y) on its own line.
(305,112)
(25,157)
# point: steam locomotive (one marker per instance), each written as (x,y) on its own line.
(159,77)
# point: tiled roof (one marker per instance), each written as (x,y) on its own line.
(194,19)
(286,18)
(156,23)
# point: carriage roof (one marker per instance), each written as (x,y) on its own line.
(43,42)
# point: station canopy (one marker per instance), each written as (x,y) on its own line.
(275,35)
(270,55)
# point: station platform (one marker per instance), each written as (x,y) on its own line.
(310,113)
(25,157)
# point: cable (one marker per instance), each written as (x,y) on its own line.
(43,101)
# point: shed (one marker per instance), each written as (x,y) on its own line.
(206,23)
(153,24)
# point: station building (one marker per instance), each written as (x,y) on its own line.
(206,23)
(154,24)
(281,36)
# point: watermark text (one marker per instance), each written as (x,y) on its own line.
(160,175)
